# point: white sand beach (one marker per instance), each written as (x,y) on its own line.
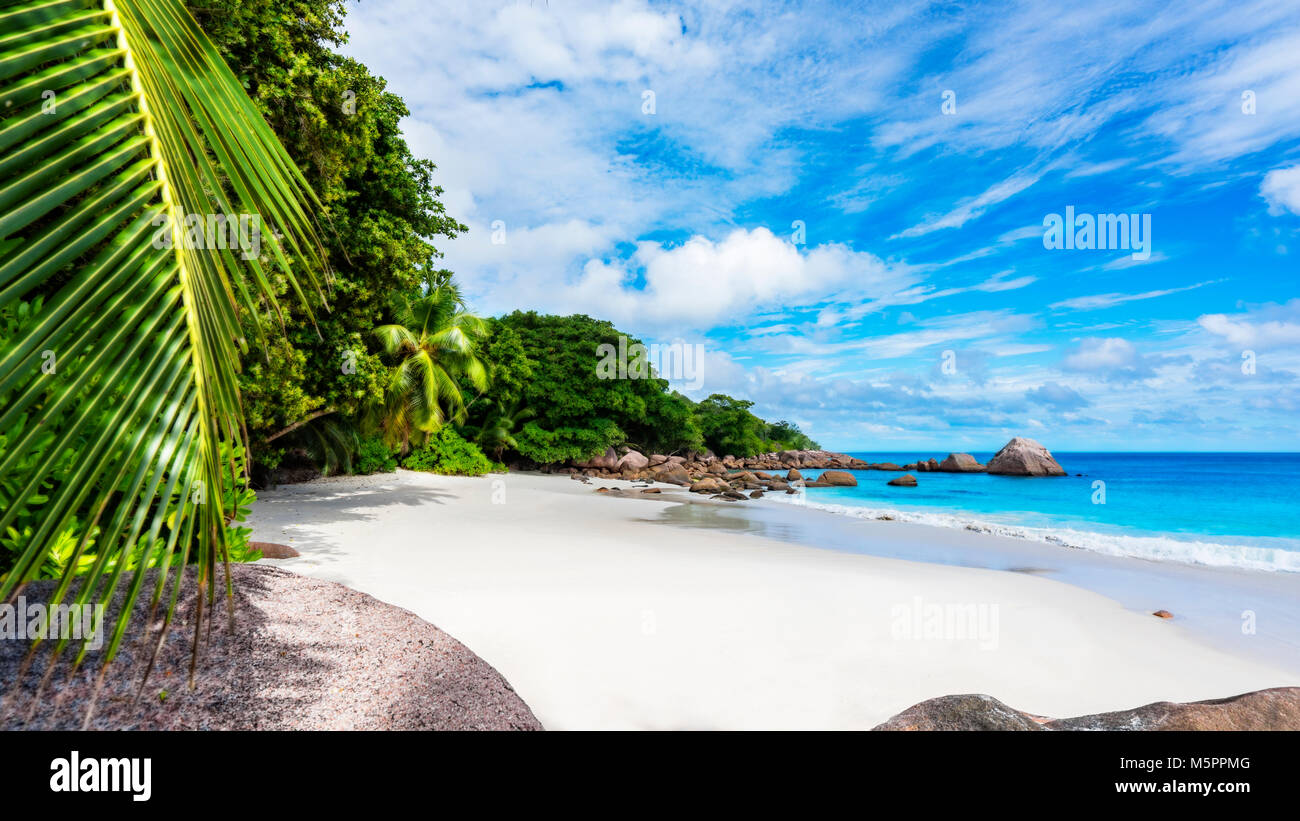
(603,614)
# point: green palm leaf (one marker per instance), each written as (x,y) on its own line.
(118,393)
(436,341)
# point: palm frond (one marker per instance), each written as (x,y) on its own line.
(393,338)
(121,125)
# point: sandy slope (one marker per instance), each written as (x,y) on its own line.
(602,617)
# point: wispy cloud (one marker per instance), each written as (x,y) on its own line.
(971,208)
(1096,301)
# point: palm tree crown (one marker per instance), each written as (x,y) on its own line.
(435,342)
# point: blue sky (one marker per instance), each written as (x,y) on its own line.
(922,223)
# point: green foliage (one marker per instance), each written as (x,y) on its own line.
(66,551)
(563,444)
(329,442)
(434,345)
(785,435)
(151,124)
(374,457)
(509,368)
(383,212)
(444,451)
(498,428)
(575,413)
(237,501)
(728,426)
(680,430)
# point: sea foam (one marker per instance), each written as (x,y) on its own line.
(1156,548)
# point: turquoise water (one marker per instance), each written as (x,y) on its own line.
(1239,509)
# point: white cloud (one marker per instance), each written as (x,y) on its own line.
(1056,395)
(1107,356)
(1089,303)
(1129,261)
(1202,109)
(1018,234)
(1272,326)
(1281,189)
(702,284)
(1020,349)
(971,208)
(946,330)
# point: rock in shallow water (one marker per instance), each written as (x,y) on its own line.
(837,478)
(1024,457)
(906,480)
(960,463)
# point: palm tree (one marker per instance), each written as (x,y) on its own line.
(131,159)
(435,341)
(497,431)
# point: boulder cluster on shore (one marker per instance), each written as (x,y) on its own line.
(1275,709)
(737,478)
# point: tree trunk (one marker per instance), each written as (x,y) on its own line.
(300,423)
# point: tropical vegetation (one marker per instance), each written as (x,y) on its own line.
(135,179)
(218,263)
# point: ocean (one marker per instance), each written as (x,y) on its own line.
(1219,509)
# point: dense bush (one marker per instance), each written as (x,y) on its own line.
(787,436)
(445,451)
(374,457)
(546,381)
(549,365)
(729,427)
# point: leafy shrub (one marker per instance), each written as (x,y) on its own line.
(374,457)
(564,443)
(785,435)
(237,499)
(444,451)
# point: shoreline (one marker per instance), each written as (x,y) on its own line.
(1196,549)
(602,617)
(1207,600)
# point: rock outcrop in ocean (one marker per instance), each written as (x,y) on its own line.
(1024,457)
(838,478)
(960,463)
